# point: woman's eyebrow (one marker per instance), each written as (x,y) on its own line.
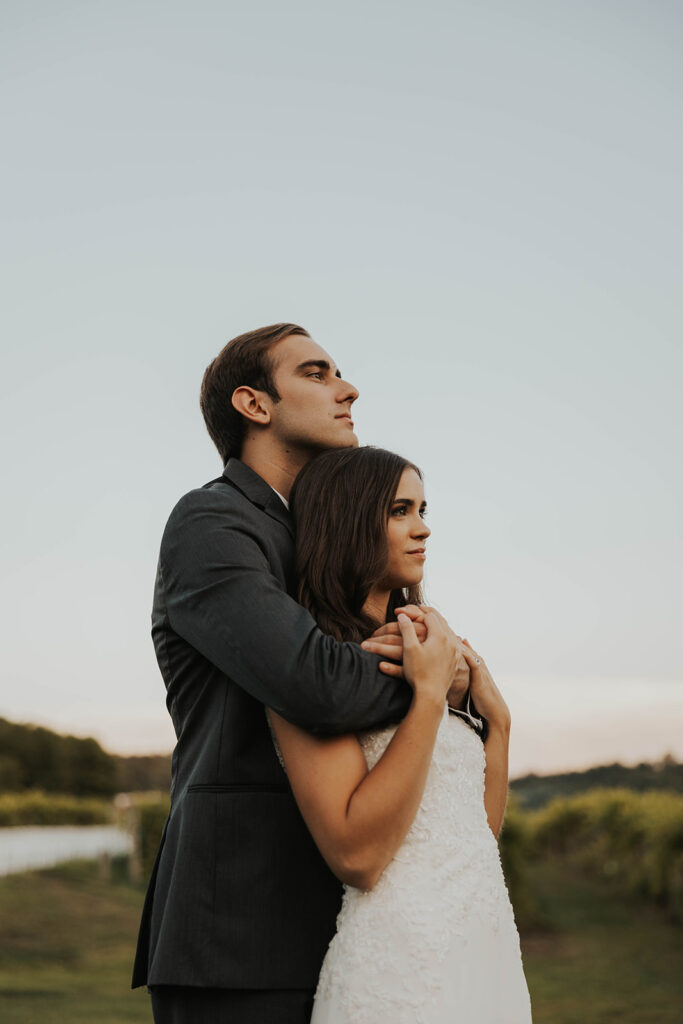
(408,501)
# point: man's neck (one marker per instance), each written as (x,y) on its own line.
(277,468)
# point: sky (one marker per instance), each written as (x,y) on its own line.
(474,207)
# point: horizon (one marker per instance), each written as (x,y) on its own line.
(519,768)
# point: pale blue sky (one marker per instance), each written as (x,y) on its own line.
(475,208)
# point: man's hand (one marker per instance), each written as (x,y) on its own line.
(388,642)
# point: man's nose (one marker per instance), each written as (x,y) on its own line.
(347,392)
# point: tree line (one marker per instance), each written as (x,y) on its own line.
(534,791)
(35,758)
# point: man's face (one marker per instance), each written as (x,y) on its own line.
(314,411)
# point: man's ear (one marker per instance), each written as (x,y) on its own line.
(250,403)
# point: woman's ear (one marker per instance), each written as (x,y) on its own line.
(249,402)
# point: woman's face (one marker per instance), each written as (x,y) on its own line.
(407,534)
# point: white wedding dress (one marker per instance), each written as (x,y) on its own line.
(435,941)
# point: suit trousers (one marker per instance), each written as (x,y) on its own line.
(181,1004)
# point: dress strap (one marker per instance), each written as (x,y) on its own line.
(275,742)
(476,723)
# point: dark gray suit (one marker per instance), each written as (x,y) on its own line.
(239,897)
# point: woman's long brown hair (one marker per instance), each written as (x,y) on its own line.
(341,502)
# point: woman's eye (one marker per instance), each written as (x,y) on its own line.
(400,510)
(423,513)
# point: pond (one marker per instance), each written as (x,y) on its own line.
(25,848)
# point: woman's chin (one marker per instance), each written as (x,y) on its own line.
(410,580)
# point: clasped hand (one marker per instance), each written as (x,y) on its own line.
(387,642)
(471,673)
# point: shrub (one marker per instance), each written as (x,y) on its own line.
(35,807)
(145,816)
(634,839)
(515,844)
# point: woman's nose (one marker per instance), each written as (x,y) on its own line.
(421,529)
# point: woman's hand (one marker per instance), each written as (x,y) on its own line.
(429,666)
(387,642)
(485,694)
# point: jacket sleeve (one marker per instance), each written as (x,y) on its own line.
(224,600)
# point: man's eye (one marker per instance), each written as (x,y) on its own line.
(318,373)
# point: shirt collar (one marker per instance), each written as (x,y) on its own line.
(282,498)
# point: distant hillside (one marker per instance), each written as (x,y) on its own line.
(32,757)
(536,790)
(143,772)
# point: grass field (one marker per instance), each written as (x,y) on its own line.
(608,957)
(66,945)
(67,938)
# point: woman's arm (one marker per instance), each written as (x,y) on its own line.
(496,775)
(359,818)
(489,702)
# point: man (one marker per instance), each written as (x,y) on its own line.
(241,906)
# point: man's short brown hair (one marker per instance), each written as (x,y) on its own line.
(244,361)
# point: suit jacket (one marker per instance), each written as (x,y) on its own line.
(239,896)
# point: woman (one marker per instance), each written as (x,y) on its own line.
(407,817)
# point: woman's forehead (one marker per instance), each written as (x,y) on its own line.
(410,485)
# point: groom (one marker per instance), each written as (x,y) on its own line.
(241,906)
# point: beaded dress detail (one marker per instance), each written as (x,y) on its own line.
(435,941)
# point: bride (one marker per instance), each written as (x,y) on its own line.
(407,817)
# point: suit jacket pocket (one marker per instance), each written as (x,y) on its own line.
(239,787)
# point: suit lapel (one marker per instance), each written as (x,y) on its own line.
(257,491)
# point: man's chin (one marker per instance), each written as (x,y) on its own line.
(328,444)
(347,440)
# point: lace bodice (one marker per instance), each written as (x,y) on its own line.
(386,961)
